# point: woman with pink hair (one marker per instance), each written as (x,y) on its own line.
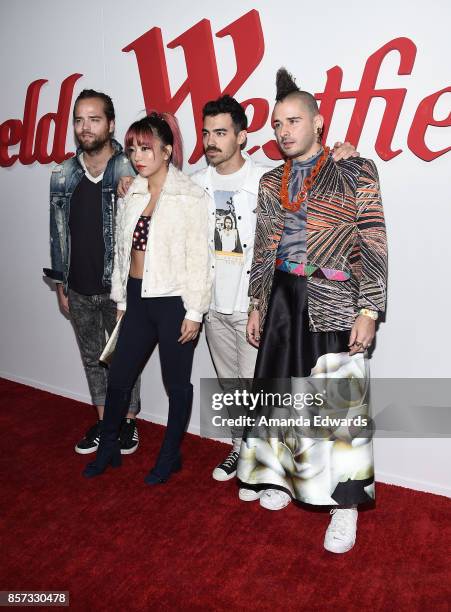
(161,280)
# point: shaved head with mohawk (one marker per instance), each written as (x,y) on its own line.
(285,84)
(296,120)
(286,87)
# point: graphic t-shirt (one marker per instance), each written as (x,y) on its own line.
(228,247)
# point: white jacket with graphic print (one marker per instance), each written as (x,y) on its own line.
(245,202)
(176,258)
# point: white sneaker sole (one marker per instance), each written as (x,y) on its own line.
(221,476)
(86,451)
(334,548)
(248,495)
(129,451)
(263,504)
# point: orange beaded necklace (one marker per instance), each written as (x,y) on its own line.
(306,184)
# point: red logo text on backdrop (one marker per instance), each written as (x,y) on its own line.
(202,84)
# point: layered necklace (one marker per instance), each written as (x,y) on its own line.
(306,185)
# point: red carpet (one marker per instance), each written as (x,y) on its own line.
(115,543)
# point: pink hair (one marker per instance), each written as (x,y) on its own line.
(177,146)
(163,125)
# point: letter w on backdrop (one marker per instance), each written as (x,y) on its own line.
(202,82)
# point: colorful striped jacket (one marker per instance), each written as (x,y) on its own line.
(345,232)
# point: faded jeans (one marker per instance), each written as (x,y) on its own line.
(92,317)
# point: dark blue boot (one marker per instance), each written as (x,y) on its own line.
(109,451)
(169,459)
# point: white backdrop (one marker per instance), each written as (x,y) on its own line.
(52,40)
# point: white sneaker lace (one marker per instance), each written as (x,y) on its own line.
(233,456)
(343,521)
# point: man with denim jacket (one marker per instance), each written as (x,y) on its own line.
(82,215)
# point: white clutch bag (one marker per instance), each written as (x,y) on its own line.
(107,354)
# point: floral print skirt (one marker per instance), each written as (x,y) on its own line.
(311,432)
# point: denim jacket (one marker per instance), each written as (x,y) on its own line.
(65,178)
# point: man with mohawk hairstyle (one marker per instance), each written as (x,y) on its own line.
(317,287)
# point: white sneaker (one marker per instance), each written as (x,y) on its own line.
(249,494)
(273,499)
(227,469)
(341,533)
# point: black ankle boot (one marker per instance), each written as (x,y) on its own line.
(153,477)
(169,459)
(109,452)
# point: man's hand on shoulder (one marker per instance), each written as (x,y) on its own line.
(344,150)
(124,185)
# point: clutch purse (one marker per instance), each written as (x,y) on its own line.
(107,354)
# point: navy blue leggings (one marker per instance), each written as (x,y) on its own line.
(148,321)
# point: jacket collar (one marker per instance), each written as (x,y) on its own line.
(328,175)
(172,185)
(250,184)
(139,186)
(321,184)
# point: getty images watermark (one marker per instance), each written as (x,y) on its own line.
(250,402)
(330,408)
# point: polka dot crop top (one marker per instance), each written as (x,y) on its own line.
(141,233)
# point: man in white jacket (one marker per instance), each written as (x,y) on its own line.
(231,179)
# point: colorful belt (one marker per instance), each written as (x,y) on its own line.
(301,269)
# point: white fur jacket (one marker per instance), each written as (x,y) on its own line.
(176,258)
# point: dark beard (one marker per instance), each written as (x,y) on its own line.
(95,144)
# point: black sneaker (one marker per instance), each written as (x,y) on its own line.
(128,437)
(90,442)
(227,469)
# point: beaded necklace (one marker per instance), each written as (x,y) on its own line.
(307,183)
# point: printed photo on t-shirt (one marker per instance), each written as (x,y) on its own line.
(227,238)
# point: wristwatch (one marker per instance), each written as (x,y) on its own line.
(253,305)
(366,312)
